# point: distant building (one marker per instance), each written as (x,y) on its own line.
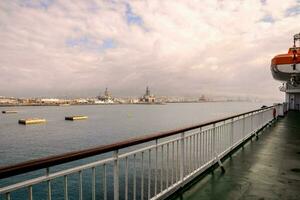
(50,100)
(8,100)
(81,101)
(133,100)
(202,98)
(106,98)
(147,97)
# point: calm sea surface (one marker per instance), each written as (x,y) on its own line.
(106,124)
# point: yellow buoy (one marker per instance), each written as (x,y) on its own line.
(76,117)
(32,121)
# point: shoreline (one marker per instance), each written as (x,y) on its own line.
(140,103)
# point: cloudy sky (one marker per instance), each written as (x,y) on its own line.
(188,47)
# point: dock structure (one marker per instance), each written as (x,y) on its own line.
(32,121)
(155,166)
(9,111)
(76,117)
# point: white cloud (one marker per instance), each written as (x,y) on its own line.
(176,47)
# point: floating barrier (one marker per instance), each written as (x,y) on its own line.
(32,121)
(76,117)
(9,111)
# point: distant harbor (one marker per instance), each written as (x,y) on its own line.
(108,99)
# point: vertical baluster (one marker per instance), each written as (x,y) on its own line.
(228,135)
(225,140)
(244,128)
(261,118)
(225,136)
(177,161)
(142,176)
(149,175)
(190,154)
(251,123)
(167,168)
(194,153)
(104,183)
(182,156)
(80,185)
(219,139)
(213,141)
(126,178)
(49,189)
(207,145)
(116,175)
(134,176)
(66,187)
(30,192)
(7,196)
(197,150)
(155,170)
(200,148)
(162,168)
(231,132)
(221,136)
(48,184)
(173,163)
(204,146)
(186,163)
(93,183)
(211,144)
(217,142)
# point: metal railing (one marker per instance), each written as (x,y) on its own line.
(148,167)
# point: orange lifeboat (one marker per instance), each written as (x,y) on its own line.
(286,67)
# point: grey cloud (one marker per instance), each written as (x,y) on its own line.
(180,49)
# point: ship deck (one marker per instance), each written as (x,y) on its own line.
(267,168)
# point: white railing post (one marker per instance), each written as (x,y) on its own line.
(231,133)
(214,138)
(66,194)
(251,123)
(182,156)
(244,130)
(8,196)
(49,184)
(155,170)
(262,119)
(116,175)
(200,148)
